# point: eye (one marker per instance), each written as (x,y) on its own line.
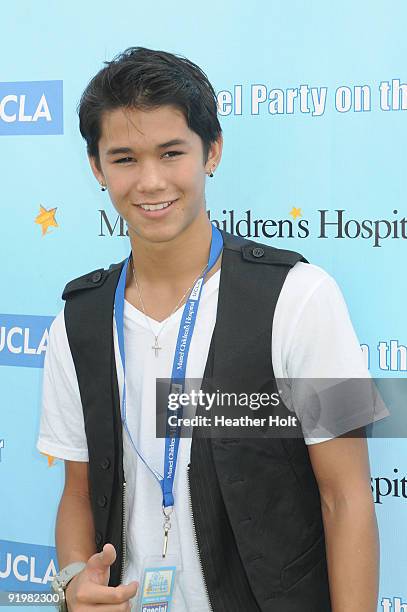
(123,160)
(173,153)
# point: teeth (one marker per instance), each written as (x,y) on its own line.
(155,206)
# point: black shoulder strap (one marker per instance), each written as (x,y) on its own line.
(259,252)
(91,280)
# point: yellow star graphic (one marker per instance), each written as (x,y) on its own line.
(295,212)
(50,458)
(46,218)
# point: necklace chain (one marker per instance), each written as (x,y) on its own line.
(156,347)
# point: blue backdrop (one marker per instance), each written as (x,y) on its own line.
(312,101)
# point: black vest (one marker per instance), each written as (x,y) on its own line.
(255,502)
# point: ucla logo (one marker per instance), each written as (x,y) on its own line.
(25,567)
(23,339)
(32,107)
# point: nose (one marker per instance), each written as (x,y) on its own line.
(150,178)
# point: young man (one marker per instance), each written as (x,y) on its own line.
(256,524)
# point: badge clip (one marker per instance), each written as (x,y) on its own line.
(166,527)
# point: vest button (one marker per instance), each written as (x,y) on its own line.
(258,252)
(102,499)
(98,538)
(105,463)
(96,277)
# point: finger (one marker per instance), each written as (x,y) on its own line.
(104,559)
(92,593)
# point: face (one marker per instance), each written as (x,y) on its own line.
(157,187)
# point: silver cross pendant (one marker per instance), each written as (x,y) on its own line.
(156,348)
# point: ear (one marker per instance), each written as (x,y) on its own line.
(96,170)
(215,153)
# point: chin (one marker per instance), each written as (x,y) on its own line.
(157,234)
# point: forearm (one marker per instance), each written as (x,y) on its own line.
(74,532)
(352,546)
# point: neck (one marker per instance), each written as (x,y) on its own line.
(167,262)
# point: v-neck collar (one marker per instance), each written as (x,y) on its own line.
(139,317)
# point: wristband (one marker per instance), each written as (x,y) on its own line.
(61,580)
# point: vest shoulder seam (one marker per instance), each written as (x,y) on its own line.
(264,253)
(90,280)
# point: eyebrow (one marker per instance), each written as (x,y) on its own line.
(164,145)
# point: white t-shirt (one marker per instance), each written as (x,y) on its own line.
(312,337)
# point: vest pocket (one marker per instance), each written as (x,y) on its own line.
(297,569)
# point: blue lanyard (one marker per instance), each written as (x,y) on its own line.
(179,366)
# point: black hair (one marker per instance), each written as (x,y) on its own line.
(146,79)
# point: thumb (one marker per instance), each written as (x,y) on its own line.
(101,562)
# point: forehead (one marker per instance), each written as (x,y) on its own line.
(143,128)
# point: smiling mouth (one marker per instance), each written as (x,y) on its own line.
(158,206)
